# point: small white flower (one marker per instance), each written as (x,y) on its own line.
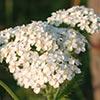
(36,90)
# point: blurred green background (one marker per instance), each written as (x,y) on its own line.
(18,12)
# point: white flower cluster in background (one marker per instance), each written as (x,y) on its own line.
(80,16)
(39,53)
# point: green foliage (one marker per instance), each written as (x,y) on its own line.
(68,87)
(84,2)
(28,94)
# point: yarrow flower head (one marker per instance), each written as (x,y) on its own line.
(37,55)
(41,53)
(77,16)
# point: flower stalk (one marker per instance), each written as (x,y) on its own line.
(11,93)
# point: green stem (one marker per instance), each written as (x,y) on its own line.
(56,94)
(48,95)
(49,92)
(8,90)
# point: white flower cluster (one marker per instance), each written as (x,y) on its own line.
(39,53)
(80,16)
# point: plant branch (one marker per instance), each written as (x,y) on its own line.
(8,90)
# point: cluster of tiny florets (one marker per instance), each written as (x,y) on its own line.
(38,53)
(77,16)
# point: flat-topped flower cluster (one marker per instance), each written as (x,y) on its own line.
(41,52)
(78,16)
